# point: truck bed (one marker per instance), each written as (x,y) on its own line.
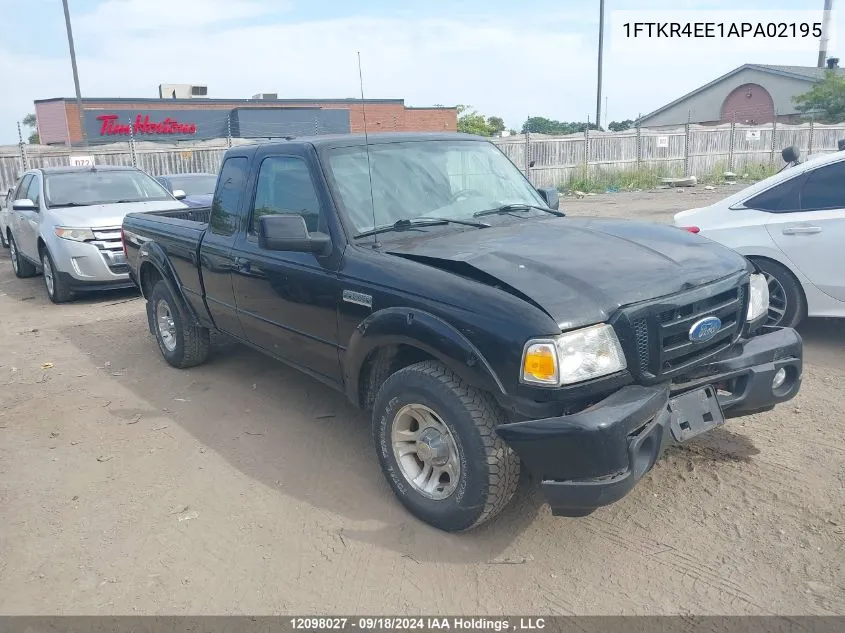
(178,232)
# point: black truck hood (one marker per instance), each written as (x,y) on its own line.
(578,270)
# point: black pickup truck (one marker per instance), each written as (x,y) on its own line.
(425,277)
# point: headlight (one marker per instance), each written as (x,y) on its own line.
(573,357)
(77,235)
(758,303)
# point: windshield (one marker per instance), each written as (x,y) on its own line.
(80,188)
(426,179)
(193,185)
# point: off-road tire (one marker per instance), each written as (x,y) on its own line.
(23,267)
(489,468)
(192,342)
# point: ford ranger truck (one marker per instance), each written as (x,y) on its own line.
(427,279)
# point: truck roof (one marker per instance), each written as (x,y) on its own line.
(376,138)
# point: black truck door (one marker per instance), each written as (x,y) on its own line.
(287,301)
(216,257)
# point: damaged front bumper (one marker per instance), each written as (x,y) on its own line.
(595,457)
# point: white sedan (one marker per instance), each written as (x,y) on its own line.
(792,226)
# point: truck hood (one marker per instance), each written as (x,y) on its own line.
(107,215)
(578,270)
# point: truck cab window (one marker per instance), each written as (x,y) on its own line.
(285,186)
(227,197)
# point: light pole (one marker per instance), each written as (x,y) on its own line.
(601,53)
(823,40)
(75,74)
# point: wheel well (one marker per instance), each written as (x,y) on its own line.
(41,246)
(380,364)
(149,277)
(789,271)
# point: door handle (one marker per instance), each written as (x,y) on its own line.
(242,264)
(802,230)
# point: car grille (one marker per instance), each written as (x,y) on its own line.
(108,241)
(656,335)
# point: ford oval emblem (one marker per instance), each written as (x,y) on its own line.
(705,329)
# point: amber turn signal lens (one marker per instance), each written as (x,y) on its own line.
(540,364)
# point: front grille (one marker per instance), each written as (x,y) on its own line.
(656,334)
(108,241)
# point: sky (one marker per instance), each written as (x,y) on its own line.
(502,57)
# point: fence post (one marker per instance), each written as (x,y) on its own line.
(686,144)
(774,139)
(731,147)
(132,146)
(22,147)
(639,145)
(528,148)
(587,148)
(812,134)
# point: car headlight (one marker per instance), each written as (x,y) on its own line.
(572,357)
(758,303)
(77,235)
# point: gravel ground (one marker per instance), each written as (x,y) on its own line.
(241,486)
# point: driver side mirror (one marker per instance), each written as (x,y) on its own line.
(179,194)
(551,197)
(24,204)
(288,232)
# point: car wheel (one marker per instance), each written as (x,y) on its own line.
(181,343)
(437,446)
(787,305)
(57,288)
(23,267)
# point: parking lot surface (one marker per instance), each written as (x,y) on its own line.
(242,486)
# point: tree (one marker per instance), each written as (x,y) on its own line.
(31,122)
(542,125)
(619,126)
(471,122)
(496,124)
(825,100)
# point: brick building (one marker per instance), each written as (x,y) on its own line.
(751,94)
(109,120)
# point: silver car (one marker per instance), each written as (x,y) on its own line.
(65,222)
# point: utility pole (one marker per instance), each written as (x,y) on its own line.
(828,7)
(601,54)
(75,74)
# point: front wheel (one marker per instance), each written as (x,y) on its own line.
(437,445)
(181,343)
(57,288)
(787,306)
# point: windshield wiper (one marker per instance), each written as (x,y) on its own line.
(510,208)
(405,224)
(67,204)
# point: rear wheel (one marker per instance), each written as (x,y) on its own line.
(181,343)
(57,289)
(787,306)
(437,446)
(23,267)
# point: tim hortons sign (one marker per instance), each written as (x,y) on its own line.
(110,126)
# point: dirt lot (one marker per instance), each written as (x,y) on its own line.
(243,487)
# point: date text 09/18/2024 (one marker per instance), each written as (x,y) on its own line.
(418,623)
